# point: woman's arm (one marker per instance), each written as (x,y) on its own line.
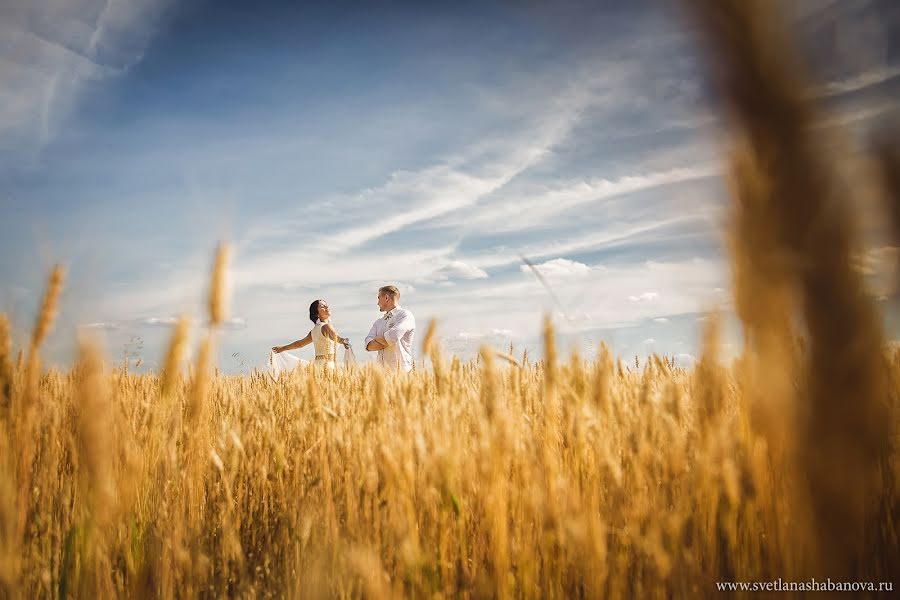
(329,332)
(294,345)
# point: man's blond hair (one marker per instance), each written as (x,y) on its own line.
(391,290)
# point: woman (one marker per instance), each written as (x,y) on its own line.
(323,337)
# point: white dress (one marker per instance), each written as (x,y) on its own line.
(283,362)
(326,348)
(326,355)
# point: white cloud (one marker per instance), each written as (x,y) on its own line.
(304,266)
(644,297)
(409,197)
(159,321)
(456,269)
(492,334)
(660,320)
(232,324)
(558,268)
(471,335)
(100,325)
(649,341)
(861,81)
(594,301)
(615,235)
(235,323)
(543,204)
(443,187)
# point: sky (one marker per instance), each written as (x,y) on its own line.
(342,146)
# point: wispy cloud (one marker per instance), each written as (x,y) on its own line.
(455,269)
(559,268)
(159,321)
(51,48)
(309,267)
(495,334)
(411,197)
(610,236)
(100,325)
(532,210)
(644,297)
(861,81)
(235,324)
(517,302)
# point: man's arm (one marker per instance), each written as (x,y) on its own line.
(374,341)
(404,323)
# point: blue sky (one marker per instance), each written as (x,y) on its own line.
(347,146)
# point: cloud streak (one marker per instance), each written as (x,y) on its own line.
(455,269)
(536,209)
(411,197)
(613,235)
(559,268)
(861,81)
(51,48)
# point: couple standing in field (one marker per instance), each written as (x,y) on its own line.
(391,335)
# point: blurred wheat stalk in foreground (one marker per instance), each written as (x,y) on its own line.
(566,478)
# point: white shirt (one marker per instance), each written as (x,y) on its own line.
(398,326)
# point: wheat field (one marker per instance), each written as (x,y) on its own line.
(501,477)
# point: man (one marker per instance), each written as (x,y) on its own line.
(392,335)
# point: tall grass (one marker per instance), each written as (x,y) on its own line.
(570,477)
(794,245)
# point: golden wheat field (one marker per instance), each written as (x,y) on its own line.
(567,477)
(558,479)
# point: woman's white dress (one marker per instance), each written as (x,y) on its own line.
(326,355)
(326,348)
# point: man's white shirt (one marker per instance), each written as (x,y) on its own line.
(398,326)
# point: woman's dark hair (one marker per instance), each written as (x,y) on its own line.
(314,311)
